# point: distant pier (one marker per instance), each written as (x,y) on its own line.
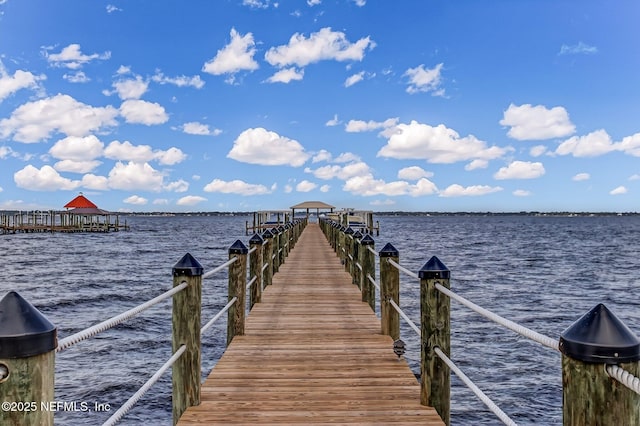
(59,221)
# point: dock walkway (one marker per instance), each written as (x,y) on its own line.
(312,353)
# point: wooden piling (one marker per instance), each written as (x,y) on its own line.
(267,252)
(27,357)
(255,269)
(389,290)
(186,316)
(237,288)
(590,396)
(435,389)
(367,260)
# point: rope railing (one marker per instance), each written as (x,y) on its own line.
(405,317)
(112,322)
(250,283)
(623,376)
(219,268)
(475,389)
(218,315)
(524,331)
(374,282)
(403,269)
(124,409)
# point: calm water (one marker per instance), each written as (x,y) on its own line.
(542,272)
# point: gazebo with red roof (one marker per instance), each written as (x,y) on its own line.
(80,202)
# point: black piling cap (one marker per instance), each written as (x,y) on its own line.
(600,337)
(187,266)
(267,234)
(256,239)
(434,269)
(357,235)
(367,240)
(388,251)
(238,248)
(24,331)
(275,231)
(349,231)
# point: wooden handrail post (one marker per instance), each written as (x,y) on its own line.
(342,251)
(27,358)
(237,288)
(255,269)
(435,388)
(348,249)
(281,245)
(367,260)
(268,257)
(275,246)
(185,325)
(389,290)
(590,396)
(355,271)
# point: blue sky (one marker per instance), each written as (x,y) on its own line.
(234,105)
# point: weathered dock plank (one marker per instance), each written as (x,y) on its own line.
(312,353)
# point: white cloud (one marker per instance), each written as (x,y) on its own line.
(634,177)
(581,176)
(71,57)
(360,3)
(75,166)
(537,150)
(161,202)
(77,148)
(322,45)
(195,128)
(354,169)
(618,191)
(356,126)
(413,173)
(387,202)
(436,145)
(98,183)
(234,57)
(135,176)
(44,179)
(520,170)
(256,4)
(260,146)
(592,145)
(425,80)
(355,78)
(136,111)
(306,186)
(135,200)
(111,8)
(577,49)
(476,164)
(286,75)
(19,80)
(312,3)
(630,145)
(126,151)
(236,187)
(64,114)
(325,188)
(131,88)
(76,77)
(456,190)
(346,157)
(180,81)
(190,200)
(367,185)
(333,122)
(521,193)
(177,186)
(529,122)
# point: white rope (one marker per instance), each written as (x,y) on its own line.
(524,331)
(4,372)
(475,389)
(112,322)
(218,315)
(265,266)
(403,269)
(373,281)
(372,250)
(219,268)
(624,377)
(406,318)
(250,283)
(359,266)
(117,416)
(252,250)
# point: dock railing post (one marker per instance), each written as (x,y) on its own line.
(435,387)
(590,396)
(281,245)
(389,290)
(27,358)
(348,249)
(185,325)
(268,257)
(255,269)
(367,260)
(237,288)
(355,271)
(275,244)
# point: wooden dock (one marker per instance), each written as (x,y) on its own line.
(312,353)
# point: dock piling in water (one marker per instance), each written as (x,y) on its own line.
(389,290)
(238,289)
